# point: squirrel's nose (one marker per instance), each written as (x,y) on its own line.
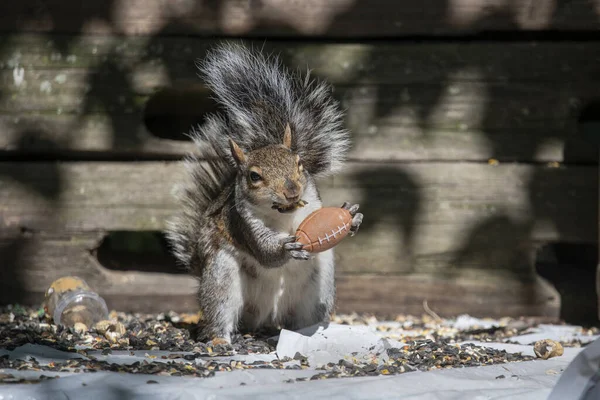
(291,191)
(291,197)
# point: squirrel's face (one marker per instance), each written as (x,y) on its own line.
(272,176)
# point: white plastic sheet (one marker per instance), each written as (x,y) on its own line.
(522,380)
(581,380)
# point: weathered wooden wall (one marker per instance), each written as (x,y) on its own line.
(287,18)
(467,154)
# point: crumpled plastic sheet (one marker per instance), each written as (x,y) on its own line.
(581,379)
(322,344)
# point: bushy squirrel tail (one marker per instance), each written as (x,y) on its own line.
(208,174)
(259,96)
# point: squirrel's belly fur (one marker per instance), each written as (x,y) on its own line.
(290,295)
(296,294)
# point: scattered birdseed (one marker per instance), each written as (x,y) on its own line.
(423,355)
(427,344)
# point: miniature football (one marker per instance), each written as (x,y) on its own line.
(324,229)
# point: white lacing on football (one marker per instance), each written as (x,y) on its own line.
(333,233)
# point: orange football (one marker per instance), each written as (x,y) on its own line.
(324,229)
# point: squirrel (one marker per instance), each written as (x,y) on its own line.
(251,184)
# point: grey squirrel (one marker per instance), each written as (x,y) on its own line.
(250,186)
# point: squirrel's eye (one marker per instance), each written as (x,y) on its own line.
(254,177)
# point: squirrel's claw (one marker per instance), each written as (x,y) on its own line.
(300,254)
(351,208)
(356,221)
(288,239)
(293,246)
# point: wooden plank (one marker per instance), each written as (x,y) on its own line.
(533,126)
(31,262)
(341,63)
(386,139)
(524,105)
(95,134)
(426,217)
(491,297)
(281,18)
(454,101)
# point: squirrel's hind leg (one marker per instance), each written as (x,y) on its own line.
(316,297)
(220,297)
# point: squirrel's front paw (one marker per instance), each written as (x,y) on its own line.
(356,217)
(295,249)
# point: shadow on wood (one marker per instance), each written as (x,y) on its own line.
(499,243)
(137,251)
(13,288)
(172,112)
(14,231)
(390,196)
(571,269)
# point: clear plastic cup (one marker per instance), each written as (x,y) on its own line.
(69,301)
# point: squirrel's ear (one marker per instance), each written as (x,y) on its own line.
(287,136)
(236,152)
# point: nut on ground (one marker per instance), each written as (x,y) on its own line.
(218,340)
(547,348)
(80,327)
(112,330)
